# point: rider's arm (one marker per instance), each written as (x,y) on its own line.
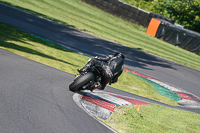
(106,58)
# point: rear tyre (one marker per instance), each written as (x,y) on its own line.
(81,81)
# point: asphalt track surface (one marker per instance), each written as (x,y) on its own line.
(35,97)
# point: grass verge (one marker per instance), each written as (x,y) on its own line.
(84,17)
(153,118)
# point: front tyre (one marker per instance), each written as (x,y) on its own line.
(81,81)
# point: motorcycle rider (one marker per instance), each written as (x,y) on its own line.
(111,67)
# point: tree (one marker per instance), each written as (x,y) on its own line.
(184,12)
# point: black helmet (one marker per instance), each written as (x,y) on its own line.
(119,55)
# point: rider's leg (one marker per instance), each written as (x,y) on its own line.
(104,82)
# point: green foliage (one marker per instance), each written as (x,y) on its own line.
(184,12)
(143,4)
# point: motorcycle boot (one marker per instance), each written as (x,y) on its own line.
(96,86)
(100,87)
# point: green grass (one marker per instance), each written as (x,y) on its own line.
(133,84)
(153,119)
(29,46)
(84,17)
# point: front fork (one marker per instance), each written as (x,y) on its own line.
(88,85)
(91,85)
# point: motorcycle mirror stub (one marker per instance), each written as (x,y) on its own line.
(89,60)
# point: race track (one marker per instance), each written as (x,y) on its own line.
(35,97)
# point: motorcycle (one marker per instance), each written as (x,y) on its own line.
(88,80)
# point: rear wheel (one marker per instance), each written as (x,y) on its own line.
(81,81)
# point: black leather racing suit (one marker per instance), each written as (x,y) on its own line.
(112,68)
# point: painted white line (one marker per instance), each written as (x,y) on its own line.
(189,103)
(166,85)
(112,99)
(96,110)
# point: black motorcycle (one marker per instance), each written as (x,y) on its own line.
(88,80)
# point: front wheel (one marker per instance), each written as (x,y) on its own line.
(81,81)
